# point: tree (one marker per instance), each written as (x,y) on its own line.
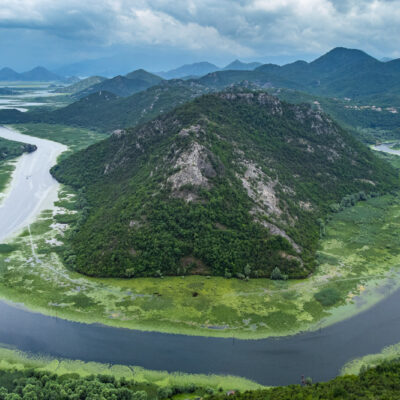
(247,271)
(276,274)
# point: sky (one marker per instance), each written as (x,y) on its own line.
(163,34)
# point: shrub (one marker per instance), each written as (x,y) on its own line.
(276,274)
(327,297)
(164,393)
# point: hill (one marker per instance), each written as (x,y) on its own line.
(144,76)
(8,74)
(123,86)
(106,112)
(195,69)
(238,65)
(229,184)
(38,74)
(81,85)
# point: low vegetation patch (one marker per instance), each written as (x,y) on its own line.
(16,364)
(328,296)
(75,138)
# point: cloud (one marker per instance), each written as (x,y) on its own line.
(244,28)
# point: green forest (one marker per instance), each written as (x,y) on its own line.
(381,383)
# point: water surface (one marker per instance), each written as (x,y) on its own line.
(32,188)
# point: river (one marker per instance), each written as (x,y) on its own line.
(273,361)
(386,148)
(32,188)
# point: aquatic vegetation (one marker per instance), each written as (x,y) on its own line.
(359,259)
(11,359)
(75,138)
(354,367)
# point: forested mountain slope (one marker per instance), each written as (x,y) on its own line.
(81,85)
(229,184)
(105,111)
(123,86)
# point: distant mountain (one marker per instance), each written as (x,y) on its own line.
(82,85)
(230,184)
(38,74)
(238,65)
(341,72)
(8,74)
(341,58)
(386,59)
(141,74)
(196,69)
(123,86)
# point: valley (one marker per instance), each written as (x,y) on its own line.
(92,259)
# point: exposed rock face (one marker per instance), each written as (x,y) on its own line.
(262,98)
(194,167)
(260,188)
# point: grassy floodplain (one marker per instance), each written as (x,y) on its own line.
(359,255)
(11,359)
(75,138)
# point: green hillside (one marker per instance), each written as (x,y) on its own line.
(106,112)
(124,86)
(81,85)
(229,184)
(341,72)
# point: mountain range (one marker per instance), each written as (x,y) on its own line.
(121,102)
(341,72)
